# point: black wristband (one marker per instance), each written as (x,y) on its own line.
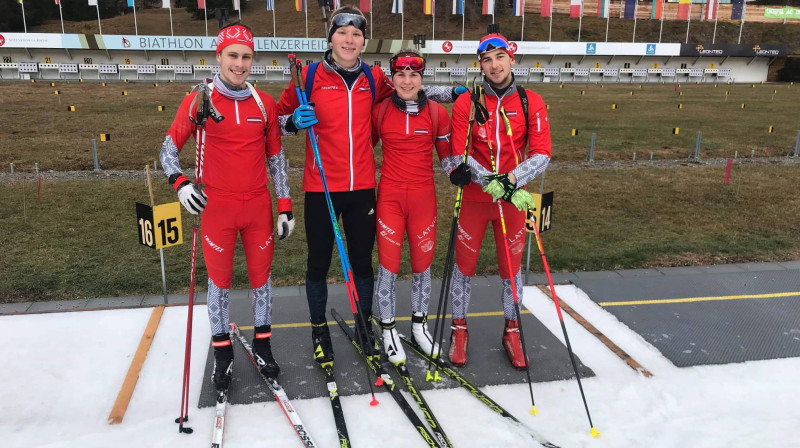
(288,214)
(174,177)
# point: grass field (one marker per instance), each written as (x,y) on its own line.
(81,241)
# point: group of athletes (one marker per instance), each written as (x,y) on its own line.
(352,107)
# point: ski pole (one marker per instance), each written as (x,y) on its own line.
(594,431)
(444,294)
(297,79)
(511,275)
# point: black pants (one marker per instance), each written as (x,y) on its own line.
(357,212)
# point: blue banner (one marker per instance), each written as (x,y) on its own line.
(630,9)
(736,10)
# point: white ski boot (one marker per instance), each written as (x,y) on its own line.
(419,331)
(392,344)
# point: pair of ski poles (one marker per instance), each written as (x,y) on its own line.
(482,117)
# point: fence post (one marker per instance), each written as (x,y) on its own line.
(94,155)
(697,146)
(590,157)
(797,145)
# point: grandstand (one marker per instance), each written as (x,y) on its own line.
(154,57)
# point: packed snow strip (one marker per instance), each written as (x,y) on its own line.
(62,373)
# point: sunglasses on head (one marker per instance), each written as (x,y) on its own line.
(492,44)
(346,18)
(413,63)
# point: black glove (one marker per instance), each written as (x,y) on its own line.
(461,176)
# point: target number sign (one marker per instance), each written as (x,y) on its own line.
(160,226)
(542,214)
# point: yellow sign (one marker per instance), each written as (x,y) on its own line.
(655,65)
(475,64)
(538,65)
(126,61)
(48,60)
(274,62)
(596,65)
(542,213)
(201,61)
(712,66)
(159,226)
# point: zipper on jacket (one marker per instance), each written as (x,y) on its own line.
(538,123)
(236,105)
(349,123)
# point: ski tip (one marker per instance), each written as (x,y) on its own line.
(595,432)
(535,411)
(379,382)
(374,401)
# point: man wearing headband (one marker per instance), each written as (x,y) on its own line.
(514,169)
(235,199)
(409,126)
(343,92)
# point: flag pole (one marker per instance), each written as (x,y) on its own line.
(370,19)
(135,23)
(433,26)
(24,23)
(741,25)
(716,17)
(522,30)
(550,36)
(688,21)
(402,25)
(239,7)
(274,31)
(305,7)
(205,15)
(635,5)
(99,26)
(171,29)
(661,29)
(580,22)
(61,14)
(463,14)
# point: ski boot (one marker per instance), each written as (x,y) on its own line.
(419,331)
(512,344)
(262,352)
(366,336)
(459,337)
(392,344)
(321,342)
(223,361)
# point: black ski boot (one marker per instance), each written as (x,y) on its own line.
(321,343)
(223,361)
(366,336)
(262,352)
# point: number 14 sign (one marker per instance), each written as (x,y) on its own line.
(159,226)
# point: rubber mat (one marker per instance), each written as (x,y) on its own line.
(755,315)
(302,378)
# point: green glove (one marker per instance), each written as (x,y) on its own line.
(522,200)
(499,186)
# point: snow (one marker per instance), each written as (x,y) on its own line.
(62,373)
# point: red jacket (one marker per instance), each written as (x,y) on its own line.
(494,131)
(236,148)
(407,141)
(344,128)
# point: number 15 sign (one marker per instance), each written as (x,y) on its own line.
(159,226)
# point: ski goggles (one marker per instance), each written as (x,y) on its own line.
(407,62)
(494,43)
(346,18)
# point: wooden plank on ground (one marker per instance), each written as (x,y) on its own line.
(126,392)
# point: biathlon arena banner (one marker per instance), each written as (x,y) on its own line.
(724,50)
(560,48)
(782,13)
(151,43)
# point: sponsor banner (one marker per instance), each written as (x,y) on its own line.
(202,43)
(724,50)
(782,13)
(30,40)
(561,48)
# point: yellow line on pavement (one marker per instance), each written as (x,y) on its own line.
(404,318)
(702,299)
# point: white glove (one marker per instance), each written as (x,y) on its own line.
(285,225)
(192,199)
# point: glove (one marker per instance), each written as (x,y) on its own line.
(521,199)
(499,186)
(192,199)
(304,116)
(285,225)
(461,176)
(458,90)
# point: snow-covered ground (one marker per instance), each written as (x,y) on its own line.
(61,374)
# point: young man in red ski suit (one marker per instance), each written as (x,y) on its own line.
(235,199)
(341,114)
(409,129)
(502,178)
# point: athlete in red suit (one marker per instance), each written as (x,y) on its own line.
(512,169)
(407,195)
(235,199)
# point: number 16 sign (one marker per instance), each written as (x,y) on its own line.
(159,226)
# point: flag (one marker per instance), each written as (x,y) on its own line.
(235,5)
(488,7)
(630,9)
(602,8)
(575,8)
(270,5)
(711,9)
(130,3)
(365,5)
(335,4)
(517,7)
(166,4)
(683,9)
(300,5)
(56,2)
(201,4)
(397,6)
(547,8)
(458,7)
(658,10)
(427,7)
(736,10)
(92,2)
